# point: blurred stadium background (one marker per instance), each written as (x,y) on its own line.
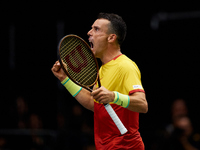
(36,112)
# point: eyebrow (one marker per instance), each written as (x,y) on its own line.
(96,27)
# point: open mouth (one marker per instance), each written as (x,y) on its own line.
(91,45)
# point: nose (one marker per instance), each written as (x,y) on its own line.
(89,33)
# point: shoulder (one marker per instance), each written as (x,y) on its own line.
(126,64)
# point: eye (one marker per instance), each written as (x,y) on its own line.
(96,28)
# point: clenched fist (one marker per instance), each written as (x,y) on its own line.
(58,71)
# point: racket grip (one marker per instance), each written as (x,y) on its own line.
(115,119)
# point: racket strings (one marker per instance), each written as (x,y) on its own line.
(89,75)
(83,66)
(72,46)
(67,46)
(85,74)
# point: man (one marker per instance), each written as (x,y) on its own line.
(121,87)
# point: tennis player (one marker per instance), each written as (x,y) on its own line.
(121,87)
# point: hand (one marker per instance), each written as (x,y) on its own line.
(58,71)
(102,95)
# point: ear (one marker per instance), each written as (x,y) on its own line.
(112,38)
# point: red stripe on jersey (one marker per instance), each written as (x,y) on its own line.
(137,90)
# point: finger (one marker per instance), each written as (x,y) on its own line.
(97,97)
(95,92)
(56,67)
(57,63)
(101,99)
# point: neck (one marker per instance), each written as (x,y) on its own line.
(109,54)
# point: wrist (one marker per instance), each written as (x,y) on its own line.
(113,96)
(121,99)
(64,81)
(73,88)
(62,78)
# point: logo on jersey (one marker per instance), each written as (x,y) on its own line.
(137,87)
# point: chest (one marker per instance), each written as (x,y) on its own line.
(111,78)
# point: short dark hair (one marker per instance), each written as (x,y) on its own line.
(118,26)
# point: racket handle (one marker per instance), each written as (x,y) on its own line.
(115,119)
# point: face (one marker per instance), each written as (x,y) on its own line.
(98,37)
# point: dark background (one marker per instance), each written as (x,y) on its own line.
(167,55)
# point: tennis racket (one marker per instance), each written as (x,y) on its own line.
(80,65)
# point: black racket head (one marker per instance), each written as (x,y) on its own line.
(78,60)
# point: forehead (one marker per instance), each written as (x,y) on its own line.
(101,23)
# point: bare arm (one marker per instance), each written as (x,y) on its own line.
(83,97)
(138,102)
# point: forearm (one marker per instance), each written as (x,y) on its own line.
(85,99)
(138,103)
(82,95)
(135,102)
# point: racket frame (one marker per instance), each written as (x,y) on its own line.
(65,70)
